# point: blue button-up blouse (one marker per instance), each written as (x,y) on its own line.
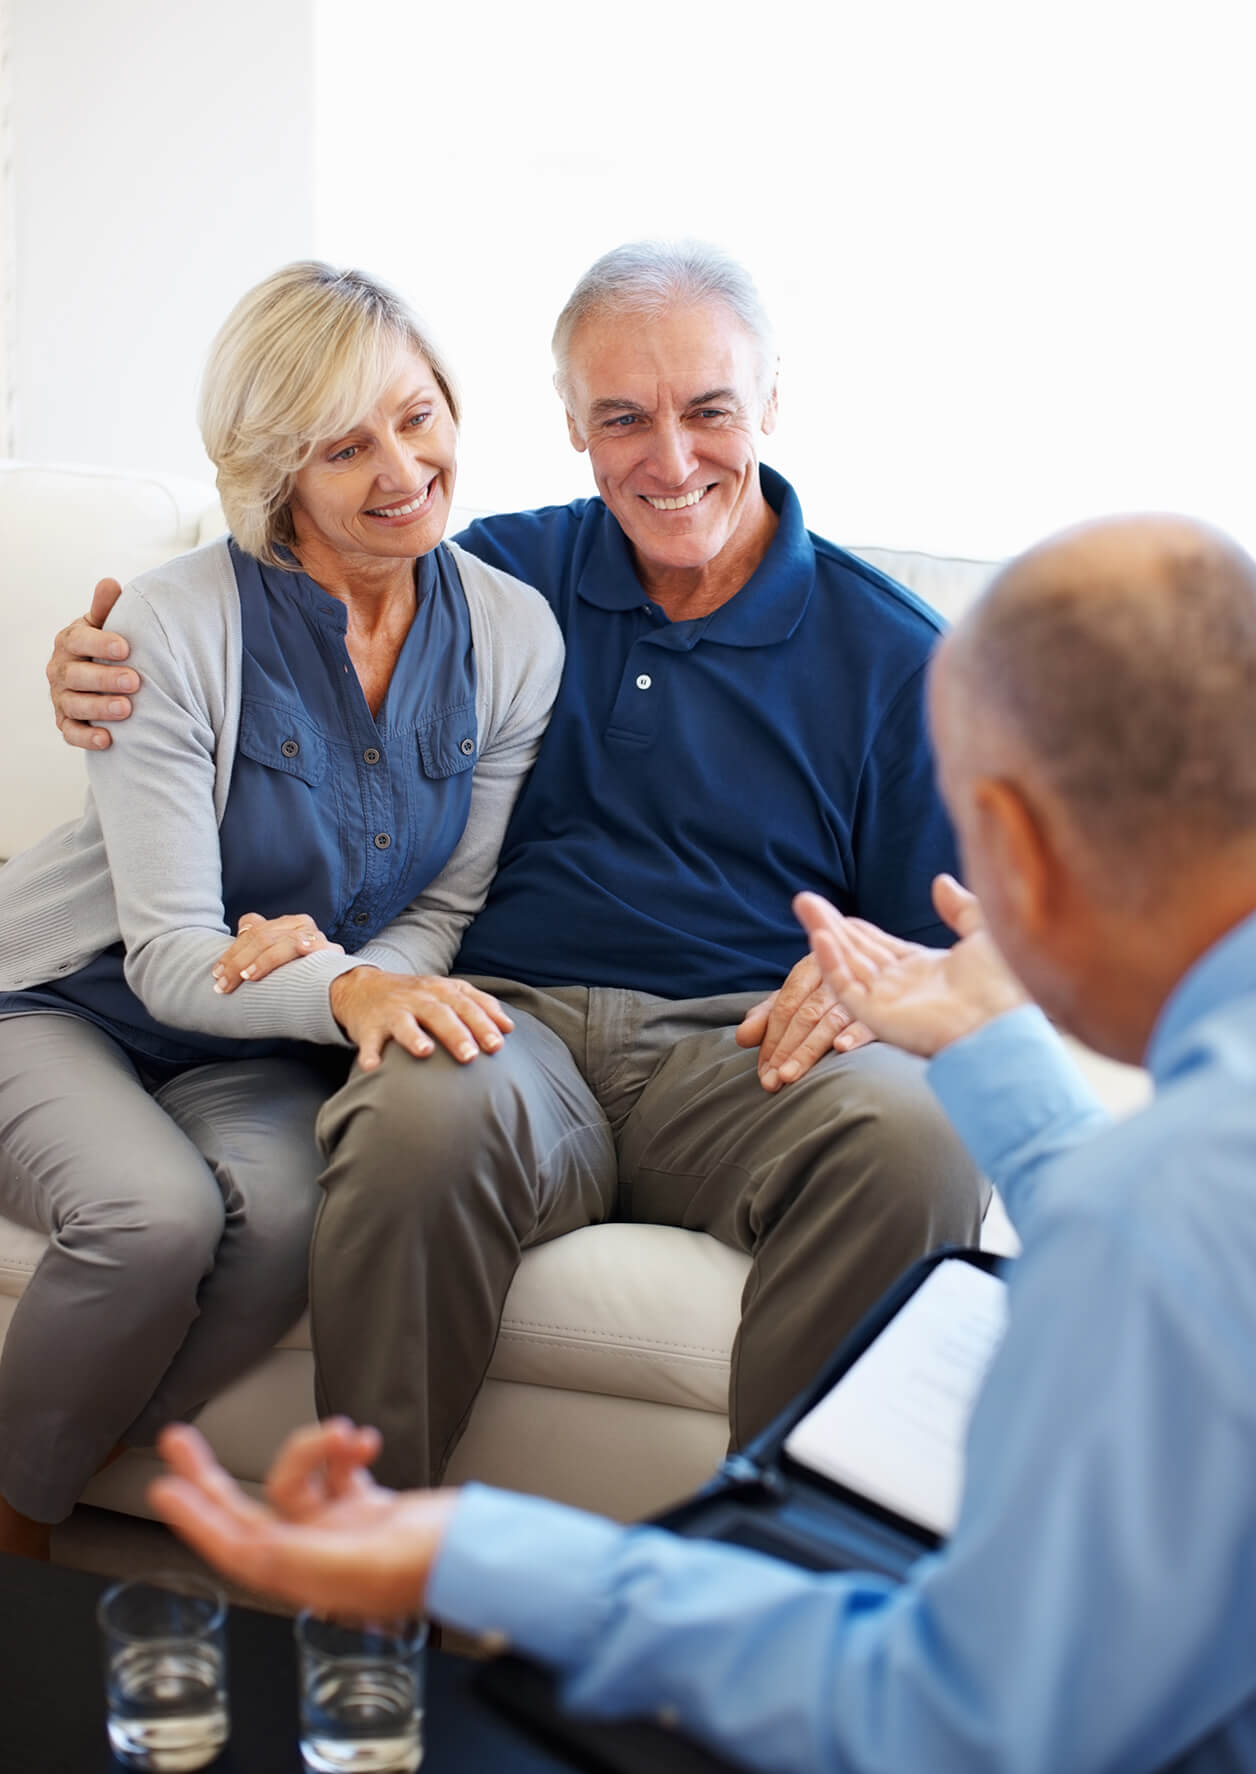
(331,811)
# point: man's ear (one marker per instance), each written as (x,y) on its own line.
(578,439)
(1021,855)
(578,442)
(767,425)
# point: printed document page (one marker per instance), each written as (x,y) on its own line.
(893,1427)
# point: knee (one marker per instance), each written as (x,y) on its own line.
(166,1239)
(888,1091)
(404,1137)
(908,1148)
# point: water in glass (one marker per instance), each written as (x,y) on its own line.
(361,1695)
(167,1704)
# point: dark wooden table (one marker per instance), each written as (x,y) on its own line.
(52,1703)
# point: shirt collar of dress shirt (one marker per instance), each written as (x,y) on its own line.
(1223,973)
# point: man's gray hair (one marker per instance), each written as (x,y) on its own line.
(1123,656)
(649,276)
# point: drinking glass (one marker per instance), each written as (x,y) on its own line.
(165,1659)
(361,1696)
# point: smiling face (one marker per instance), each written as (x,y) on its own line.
(382,491)
(670,408)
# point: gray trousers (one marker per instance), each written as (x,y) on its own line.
(602,1104)
(179,1216)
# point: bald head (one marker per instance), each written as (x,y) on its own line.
(1119,660)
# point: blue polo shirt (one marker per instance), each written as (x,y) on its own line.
(696,775)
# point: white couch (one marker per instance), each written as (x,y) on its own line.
(608,1385)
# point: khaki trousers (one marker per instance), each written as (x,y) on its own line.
(606,1103)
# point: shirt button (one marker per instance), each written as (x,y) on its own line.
(360,918)
(370,755)
(467,747)
(382,840)
(289,748)
(644,681)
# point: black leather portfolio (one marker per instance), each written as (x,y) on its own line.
(794,1494)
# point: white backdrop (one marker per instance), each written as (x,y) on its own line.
(6,239)
(1008,247)
(162,162)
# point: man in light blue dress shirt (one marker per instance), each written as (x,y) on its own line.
(1095,1608)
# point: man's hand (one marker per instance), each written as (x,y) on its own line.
(374,1008)
(82,690)
(797,1025)
(920,999)
(262,944)
(328,1538)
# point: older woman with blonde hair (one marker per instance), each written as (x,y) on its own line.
(341,709)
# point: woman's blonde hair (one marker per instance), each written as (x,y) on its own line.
(301,358)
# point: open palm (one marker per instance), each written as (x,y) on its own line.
(328,1538)
(918,998)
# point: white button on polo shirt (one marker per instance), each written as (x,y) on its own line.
(644,681)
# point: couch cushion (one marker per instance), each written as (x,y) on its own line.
(61,529)
(948,583)
(20,1250)
(638,1311)
(644,1312)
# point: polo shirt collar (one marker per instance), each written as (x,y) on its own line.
(769,606)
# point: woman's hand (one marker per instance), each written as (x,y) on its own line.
(331,1538)
(374,1008)
(917,998)
(262,944)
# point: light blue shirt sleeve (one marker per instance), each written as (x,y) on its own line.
(1018,1103)
(1063,1630)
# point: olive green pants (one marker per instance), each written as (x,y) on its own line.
(611,1104)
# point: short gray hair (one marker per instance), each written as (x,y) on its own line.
(300,359)
(649,276)
(1123,656)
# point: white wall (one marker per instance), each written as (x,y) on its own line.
(162,162)
(6,242)
(1008,246)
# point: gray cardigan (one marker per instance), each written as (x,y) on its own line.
(142,864)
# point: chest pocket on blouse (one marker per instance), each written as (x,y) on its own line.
(283,740)
(447,744)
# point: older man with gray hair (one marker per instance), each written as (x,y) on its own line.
(741,713)
(1094,1611)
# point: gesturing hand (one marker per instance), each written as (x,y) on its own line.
(262,944)
(374,1008)
(918,998)
(328,1537)
(798,1024)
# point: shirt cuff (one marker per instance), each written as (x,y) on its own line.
(524,1574)
(1006,1086)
